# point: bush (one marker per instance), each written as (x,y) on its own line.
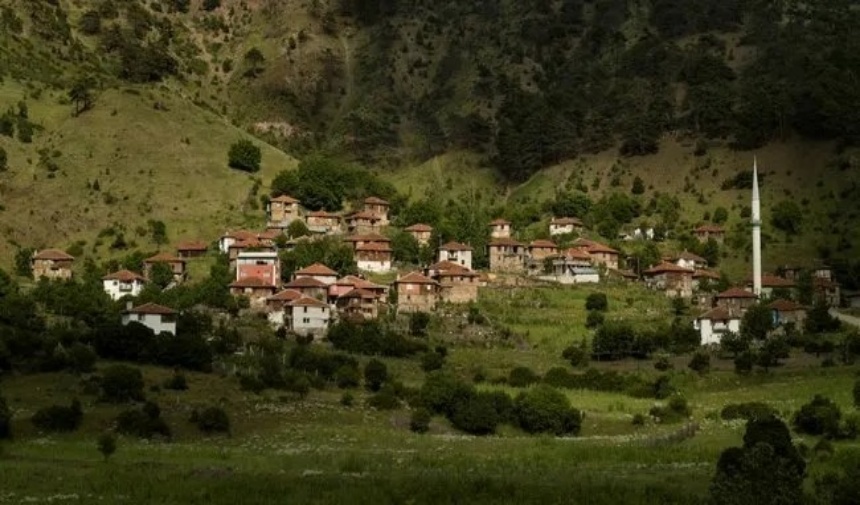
(142,423)
(418,322)
(177,382)
(558,377)
(662,364)
(544,409)
(818,417)
(597,301)
(441,392)
(385,399)
(677,410)
(431,361)
(744,362)
(372,338)
(420,420)
(347,399)
(251,383)
(594,319)
(212,420)
(375,374)
(57,418)
(576,355)
(521,377)
(81,358)
(244,155)
(747,411)
(700,363)
(121,383)
(477,415)
(639,420)
(5,420)
(348,376)
(106,444)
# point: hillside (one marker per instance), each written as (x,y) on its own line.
(503,101)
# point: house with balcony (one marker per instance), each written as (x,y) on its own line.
(123,283)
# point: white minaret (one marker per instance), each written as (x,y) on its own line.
(756,231)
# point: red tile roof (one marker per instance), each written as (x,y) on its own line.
(414,278)
(251,282)
(456,272)
(322,213)
(455,246)
(192,246)
(373,200)
(374,247)
(706,274)
(543,244)
(600,248)
(306,282)
(370,216)
(286,295)
(359,293)
(577,254)
(240,235)
(284,199)
(501,242)
(786,306)
(420,227)
(124,276)
(317,269)
(252,243)
(151,308)
(307,301)
(358,282)
(164,257)
(370,237)
(446,265)
(688,256)
(53,254)
(772,281)
(718,314)
(736,293)
(667,268)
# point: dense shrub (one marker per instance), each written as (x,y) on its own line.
(121,383)
(418,322)
(594,319)
(616,340)
(347,399)
(662,364)
(676,410)
(744,362)
(558,377)
(818,417)
(176,382)
(375,374)
(477,415)
(521,377)
(441,392)
(80,358)
(747,411)
(5,420)
(211,420)
(638,420)
(372,338)
(420,420)
(385,399)
(348,376)
(431,361)
(145,422)
(245,155)
(319,362)
(544,409)
(106,444)
(597,301)
(58,418)
(576,355)
(700,363)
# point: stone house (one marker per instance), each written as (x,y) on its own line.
(827,290)
(706,232)
(379,208)
(539,250)
(351,282)
(176,264)
(309,287)
(457,284)
(788,312)
(500,228)
(255,289)
(736,300)
(458,253)
(673,280)
(282,210)
(601,254)
(358,304)
(572,266)
(319,272)
(52,264)
(192,249)
(690,261)
(323,223)
(156,317)
(507,255)
(416,293)
(307,316)
(715,323)
(276,306)
(264,265)
(363,222)
(123,283)
(421,233)
(374,257)
(565,226)
(231,237)
(704,278)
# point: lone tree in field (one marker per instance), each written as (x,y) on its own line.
(107,444)
(244,155)
(81,95)
(255,60)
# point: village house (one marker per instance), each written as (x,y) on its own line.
(715,323)
(622,275)
(264,265)
(378,207)
(363,222)
(123,283)
(351,282)
(192,249)
(52,264)
(787,312)
(500,228)
(540,250)
(690,261)
(307,316)
(572,266)
(255,289)
(736,300)
(373,257)
(416,293)
(270,237)
(565,226)
(772,284)
(421,233)
(323,223)
(276,306)
(507,255)
(176,264)
(309,287)
(827,291)
(456,252)
(457,284)
(673,280)
(156,317)
(249,245)
(231,237)
(705,280)
(710,231)
(359,304)
(319,272)
(601,254)
(282,210)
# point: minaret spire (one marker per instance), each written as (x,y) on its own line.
(756,231)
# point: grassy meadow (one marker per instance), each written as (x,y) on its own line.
(316,450)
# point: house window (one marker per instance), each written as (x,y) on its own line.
(305,310)
(140,317)
(306,320)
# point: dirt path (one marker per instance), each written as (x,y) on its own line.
(845,318)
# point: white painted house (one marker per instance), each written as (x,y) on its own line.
(123,283)
(308,316)
(564,226)
(714,324)
(155,317)
(456,252)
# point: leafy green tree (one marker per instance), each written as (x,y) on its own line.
(375,374)
(405,248)
(721,215)
(161,275)
(787,216)
(757,322)
(90,22)
(7,124)
(700,363)
(297,229)
(245,155)
(638,186)
(106,444)
(597,301)
(420,420)
(25,131)
(255,60)
(818,417)
(121,383)
(211,5)
(158,231)
(81,95)
(819,320)
(544,409)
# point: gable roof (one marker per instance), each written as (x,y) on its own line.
(501,242)
(363,214)
(373,247)
(665,267)
(455,246)
(358,293)
(783,305)
(576,253)
(597,247)
(251,282)
(284,199)
(688,256)
(358,282)
(543,244)
(53,254)
(564,221)
(420,227)
(192,245)
(414,278)
(306,282)
(772,281)
(124,276)
(446,265)
(706,274)
(317,269)
(151,308)
(286,295)
(736,293)
(456,272)
(374,200)
(240,234)
(718,314)
(323,213)
(164,257)
(369,237)
(307,301)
